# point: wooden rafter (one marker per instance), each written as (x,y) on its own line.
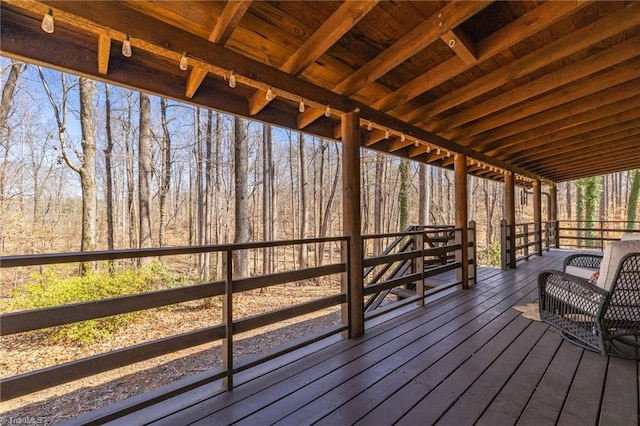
(574,42)
(452,15)
(228,21)
(626,91)
(337,25)
(460,43)
(587,66)
(104,51)
(566,94)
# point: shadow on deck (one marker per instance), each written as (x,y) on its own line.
(466,358)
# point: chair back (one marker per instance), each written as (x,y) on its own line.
(623,304)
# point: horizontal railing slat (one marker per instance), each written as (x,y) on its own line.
(19,322)
(253,283)
(23,384)
(396,282)
(268,318)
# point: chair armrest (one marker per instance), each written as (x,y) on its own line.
(565,294)
(591,261)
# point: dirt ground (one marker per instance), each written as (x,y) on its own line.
(23,353)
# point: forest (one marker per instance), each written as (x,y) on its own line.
(89,166)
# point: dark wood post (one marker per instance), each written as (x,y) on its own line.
(510,215)
(537,215)
(352,221)
(462,220)
(553,214)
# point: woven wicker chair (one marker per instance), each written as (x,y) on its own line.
(604,317)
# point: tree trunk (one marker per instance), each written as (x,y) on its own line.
(326,217)
(5,106)
(632,209)
(165,178)
(568,201)
(109,174)
(378,203)
(403,196)
(425,198)
(304,209)
(242,224)
(267,189)
(88,169)
(144,175)
(208,195)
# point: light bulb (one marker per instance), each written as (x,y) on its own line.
(417,142)
(327,111)
(369,125)
(301,107)
(402,138)
(387,134)
(438,151)
(269,94)
(448,154)
(184,61)
(428,149)
(232,80)
(126,47)
(47,22)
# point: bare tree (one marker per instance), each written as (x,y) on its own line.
(87,167)
(304,209)
(242,225)
(165,174)
(109,175)
(144,174)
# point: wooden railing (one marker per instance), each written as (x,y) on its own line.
(593,234)
(26,321)
(529,240)
(412,256)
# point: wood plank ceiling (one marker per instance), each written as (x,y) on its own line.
(550,90)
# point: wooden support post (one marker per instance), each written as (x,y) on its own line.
(473,275)
(462,220)
(227,318)
(352,221)
(537,215)
(553,215)
(510,215)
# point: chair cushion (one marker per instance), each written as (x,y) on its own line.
(613,254)
(579,271)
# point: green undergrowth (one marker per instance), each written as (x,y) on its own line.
(52,288)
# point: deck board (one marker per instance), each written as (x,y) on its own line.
(467,358)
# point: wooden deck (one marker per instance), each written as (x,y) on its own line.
(468,358)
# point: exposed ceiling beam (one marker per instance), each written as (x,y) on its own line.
(448,18)
(578,70)
(625,91)
(228,21)
(520,29)
(104,51)
(569,124)
(462,46)
(590,129)
(565,95)
(576,41)
(333,29)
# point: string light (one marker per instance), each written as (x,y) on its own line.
(47,22)
(126,47)
(232,80)
(402,138)
(301,106)
(184,62)
(269,95)
(327,111)
(417,142)
(448,154)
(369,125)
(428,149)
(387,134)
(438,151)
